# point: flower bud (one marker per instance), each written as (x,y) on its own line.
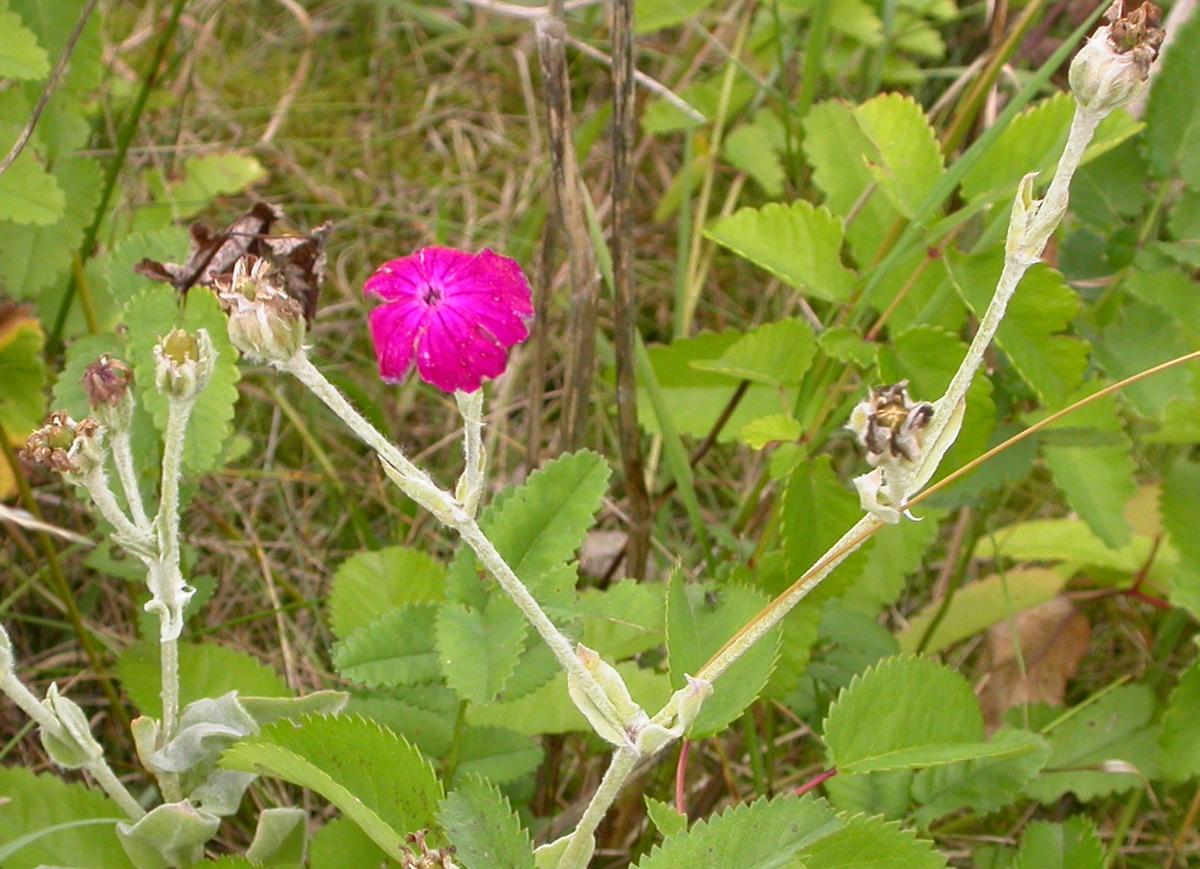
(630,717)
(183,363)
(107,383)
(265,323)
(73,745)
(1113,67)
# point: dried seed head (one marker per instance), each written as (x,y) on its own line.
(1113,67)
(889,424)
(65,446)
(107,383)
(265,322)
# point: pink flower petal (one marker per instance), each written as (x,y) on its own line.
(395,330)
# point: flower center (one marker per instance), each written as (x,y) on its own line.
(432,295)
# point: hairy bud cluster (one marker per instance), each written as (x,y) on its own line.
(265,322)
(65,446)
(1113,67)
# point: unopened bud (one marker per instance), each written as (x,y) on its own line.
(1113,67)
(265,323)
(72,745)
(107,383)
(630,718)
(183,363)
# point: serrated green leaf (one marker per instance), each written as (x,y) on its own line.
(978,606)
(373,776)
(847,345)
(1145,337)
(1042,308)
(1172,112)
(425,715)
(34,257)
(478,649)
(341,843)
(1116,727)
(909,158)
(665,817)
(1174,292)
(1180,505)
(29,194)
(163,245)
(765,834)
(872,843)
(985,784)
(699,621)
(1097,482)
(368,584)
(1031,143)
(484,830)
(497,754)
(622,620)
(398,648)
(1067,541)
(206,670)
(156,312)
(776,354)
(20,55)
(23,373)
(800,244)
(53,24)
(922,713)
(211,175)
(754,148)
(898,553)
(874,793)
(46,822)
(1071,845)
(1180,748)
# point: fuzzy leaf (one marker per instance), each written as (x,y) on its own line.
(373,776)
(699,621)
(1116,727)
(1180,748)
(481,825)
(899,697)
(20,55)
(666,818)
(1071,845)
(800,244)
(479,649)
(985,784)
(872,843)
(776,354)
(206,670)
(1173,113)
(163,245)
(397,648)
(46,822)
(369,584)
(765,834)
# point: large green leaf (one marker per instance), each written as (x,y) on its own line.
(1180,748)
(1031,143)
(164,245)
(29,194)
(46,822)
(497,754)
(700,619)
(479,648)
(373,776)
(483,828)
(872,843)
(1116,727)
(920,712)
(1146,336)
(800,244)
(20,55)
(1071,845)
(985,784)
(23,373)
(765,834)
(206,670)
(1173,113)
(368,584)
(207,176)
(909,158)
(398,648)
(776,354)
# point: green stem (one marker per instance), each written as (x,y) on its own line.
(470,484)
(583,844)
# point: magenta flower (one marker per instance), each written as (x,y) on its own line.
(454,314)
